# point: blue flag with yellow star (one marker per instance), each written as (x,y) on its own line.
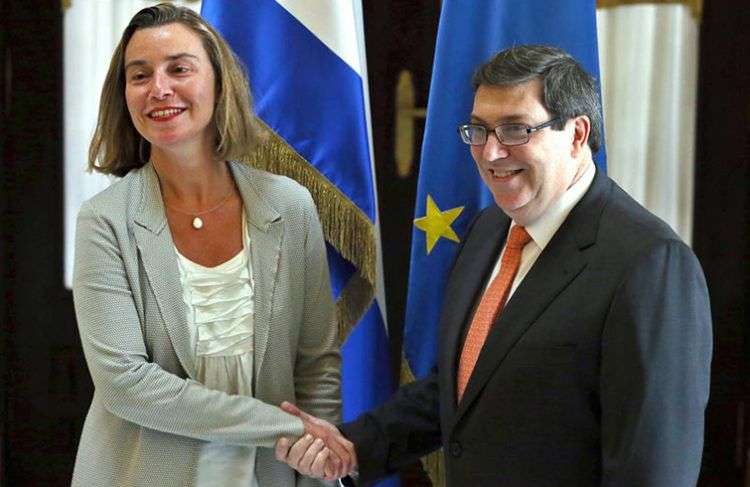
(450,191)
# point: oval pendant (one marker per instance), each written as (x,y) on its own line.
(197,223)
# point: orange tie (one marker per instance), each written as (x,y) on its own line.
(490,306)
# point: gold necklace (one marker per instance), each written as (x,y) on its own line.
(197,220)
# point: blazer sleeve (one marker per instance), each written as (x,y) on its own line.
(398,432)
(655,371)
(131,387)
(317,375)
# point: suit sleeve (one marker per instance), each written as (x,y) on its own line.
(655,371)
(127,383)
(407,426)
(398,432)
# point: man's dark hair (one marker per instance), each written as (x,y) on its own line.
(568,90)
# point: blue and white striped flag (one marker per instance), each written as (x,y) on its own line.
(308,76)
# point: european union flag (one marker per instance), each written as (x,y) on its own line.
(450,191)
(307,71)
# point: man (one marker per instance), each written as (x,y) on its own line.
(575,335)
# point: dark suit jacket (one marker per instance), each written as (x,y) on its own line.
(596,373)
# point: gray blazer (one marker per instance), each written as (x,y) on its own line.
(149,417)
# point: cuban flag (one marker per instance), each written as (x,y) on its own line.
(308,77)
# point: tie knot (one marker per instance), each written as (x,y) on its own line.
(518,238)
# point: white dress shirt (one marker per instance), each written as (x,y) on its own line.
(544,228)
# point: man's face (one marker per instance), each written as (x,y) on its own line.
(524,179)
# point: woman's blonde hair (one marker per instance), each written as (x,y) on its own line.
(117,147)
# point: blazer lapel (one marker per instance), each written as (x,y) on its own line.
(559,264)
(156,247)
(466,284)
(266,234)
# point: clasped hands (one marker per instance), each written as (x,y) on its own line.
(322,452)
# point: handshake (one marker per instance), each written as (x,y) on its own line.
(322,452)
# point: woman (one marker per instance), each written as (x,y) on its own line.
(200,285)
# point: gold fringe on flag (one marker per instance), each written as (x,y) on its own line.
(345,226)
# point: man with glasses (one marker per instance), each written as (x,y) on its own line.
(575,336)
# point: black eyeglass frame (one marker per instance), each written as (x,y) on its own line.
(529,130)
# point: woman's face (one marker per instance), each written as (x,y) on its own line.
(169,87)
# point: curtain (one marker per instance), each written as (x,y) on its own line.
(648,57)
(91,32)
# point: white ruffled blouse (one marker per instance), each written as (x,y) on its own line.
(220,315)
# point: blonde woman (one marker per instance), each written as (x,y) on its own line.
(201,286)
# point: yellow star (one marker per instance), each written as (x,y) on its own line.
(436,223)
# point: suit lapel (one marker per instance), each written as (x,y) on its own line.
(156,247)
(470,273)
(266,233)
(558,265)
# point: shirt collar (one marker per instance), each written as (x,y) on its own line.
(543,228)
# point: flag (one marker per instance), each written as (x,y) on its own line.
(450,191)
(308,76)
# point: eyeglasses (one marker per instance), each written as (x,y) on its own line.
(507,133)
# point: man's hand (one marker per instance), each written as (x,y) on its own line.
(322,452)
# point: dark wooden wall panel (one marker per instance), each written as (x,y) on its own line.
(400,35)
(4,96)
(722,231)
(46,384)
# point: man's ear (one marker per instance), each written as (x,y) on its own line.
(581,131)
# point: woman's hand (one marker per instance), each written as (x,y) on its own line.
(322,452)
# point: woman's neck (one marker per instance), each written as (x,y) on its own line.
(192,181)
